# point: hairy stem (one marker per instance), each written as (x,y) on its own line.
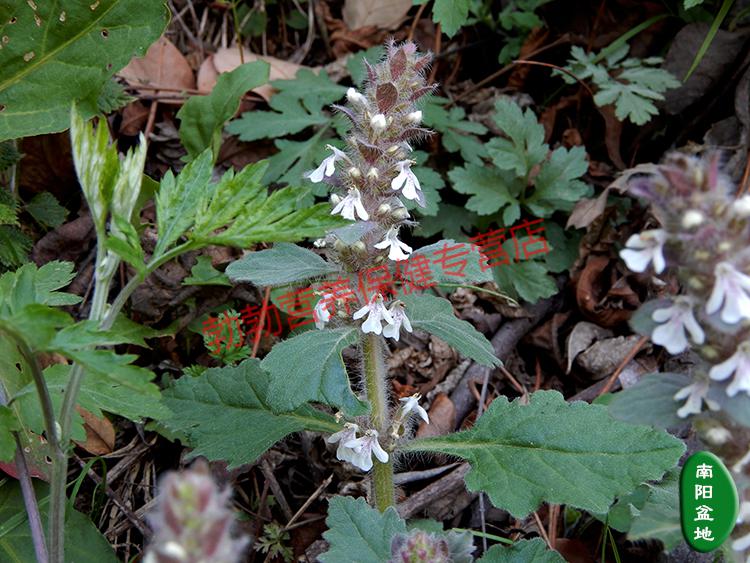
(375,381)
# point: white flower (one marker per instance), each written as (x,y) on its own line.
(398,250)
(412,404)
(363,448)
(377,314)
(743,543)
(643,248)
(676,319)
(355,98)
(407,180)
(414,117)
(695,394)
(378,123)
(741,206)
(731,288)
(739,365)
(321,315)
(692,218)
(328,166)
(351,203)
(399,317)
(344,436)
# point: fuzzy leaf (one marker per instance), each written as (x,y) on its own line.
(58,53)
(46,210)
(309,367)
(435,315)
(224,414)
(356,528)
(523,455)
(202,117)
(281,265)
(650,401)
(522,551)
(659,517)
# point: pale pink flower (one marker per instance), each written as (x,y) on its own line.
(399,317)
(350,204)
(397,250)
(677,319)
(376,313)
(328,166)
(739,365)
(364,448)
(644,248)
(731,289)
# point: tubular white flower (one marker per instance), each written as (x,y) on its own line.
(739,365)
(644,248)
(349,205)
(695,393)
(399,317)
(327,167)
(364,448)
(378,123)
(677,318)
(406,181)
(731,289)
(321,315)
(376,313)
(411,404)
(398,250)
(344,436)
(355,98)
(414,117)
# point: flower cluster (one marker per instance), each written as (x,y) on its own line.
(193,521)
(703,235)
(371,176)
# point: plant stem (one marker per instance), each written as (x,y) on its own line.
(383,490)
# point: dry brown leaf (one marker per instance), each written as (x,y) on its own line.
(442,418)
(583,335)
(100,434)
(227,59)
(385,14)
(163,66)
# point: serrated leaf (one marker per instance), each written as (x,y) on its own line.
(224,414)
(659,518)
(524,148)
(31,285)
(126,243)
(457,134)
(548,451)
(204,273)
(113,97)
(8,424)
(309,367)
(289,117)
(358,532)
(316,90)
(9,155)
(8,215)
(556,187)
(281,265)
(435,315)
(177,200)
(488,187)
(202,117)
(452,221)
(472,272)
(451,15)
(522,551)
(50,43)
(117,368)
(46,210)
(527,280)
(14,246)
(650,401)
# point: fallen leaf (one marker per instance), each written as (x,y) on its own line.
(442,418)
(385,14)
(583,335)
(162,66)
(604,357)
(100,434)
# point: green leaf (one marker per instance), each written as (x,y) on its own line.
(435,315)
(547,451)
(457,134)
(8,425)
(687,4)
(316,90)
(472,272)
(14,246)
(452,221)
(58,53)
(524,148)
(83,542)
(358,532)
(556,187)
(177,200)
(46,210)
(659,518)
(289,117)
(113,97)
(309,367)
(8,215)
(31,285)
(451,15)
(650,401)
(281,265)
(204,273)
(9,155)
(117,368)
(355,64)
(202,117)
(522,551)
(487,186)
(225,414)
(527,280)
(126,243)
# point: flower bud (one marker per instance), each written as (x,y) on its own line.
(372,173)
(724,246)
(384,208)
(695,283)
(702,255)
(378,123)
(335,199)
(319,243)
(414,117)
(692,218)
(741,206)
(400,213)
(354,172)
(355,98)
(359,246)
(393,148)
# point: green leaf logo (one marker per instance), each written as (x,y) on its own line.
(708,502)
